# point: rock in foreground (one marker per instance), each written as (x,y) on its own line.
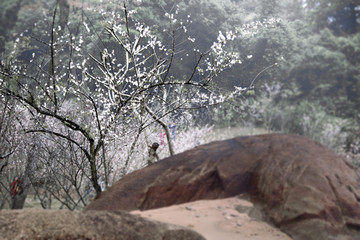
(63,224)
(304,188)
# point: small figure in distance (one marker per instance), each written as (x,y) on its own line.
(16,187)
(153,157)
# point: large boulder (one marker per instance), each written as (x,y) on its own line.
(304,188)
(63,224)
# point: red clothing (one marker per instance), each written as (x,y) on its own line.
(162,138)
(15,185)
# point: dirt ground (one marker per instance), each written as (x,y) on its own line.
(222,219)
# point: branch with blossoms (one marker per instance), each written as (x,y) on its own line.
(144,77)
(46,93)
(133,84)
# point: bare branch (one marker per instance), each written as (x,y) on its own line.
(61,136)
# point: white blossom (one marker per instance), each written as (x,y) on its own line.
(86,27)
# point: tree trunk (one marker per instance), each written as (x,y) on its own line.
(18,200)
(93,169)
(94,176)
(165,127)
(168,137)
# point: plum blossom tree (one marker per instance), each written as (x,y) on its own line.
(142,80)
(90,102)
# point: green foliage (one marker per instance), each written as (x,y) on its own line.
(274,111)
(270,45)
(326,70)
(322,64)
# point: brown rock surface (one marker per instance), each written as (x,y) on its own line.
(63,224)
(303,188)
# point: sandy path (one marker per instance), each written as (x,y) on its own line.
(217,220)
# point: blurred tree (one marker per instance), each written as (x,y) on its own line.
(8,19)
(342,15)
